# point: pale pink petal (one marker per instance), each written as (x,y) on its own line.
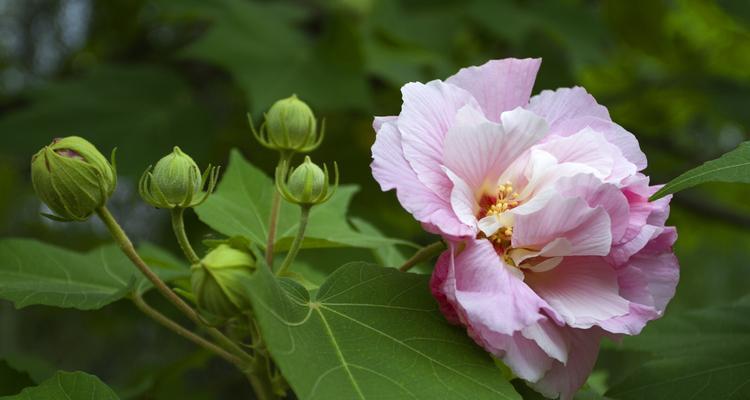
(489,297)
(597,193)
(478,150)
(569,110)
(437,282)
(583,290)
(590,148)
(546,334)
(377,122)
(499,85)
(391,170)
(428,112)
(522,355)
(660,267)
(564,380)
(586,230)
(463,200)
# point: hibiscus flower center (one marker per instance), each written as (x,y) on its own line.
(504,199)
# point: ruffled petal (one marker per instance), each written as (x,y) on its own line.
(499,85)
(428,112)
(478,150)
(583,290)
(392,171)
(569,110)
(564,380)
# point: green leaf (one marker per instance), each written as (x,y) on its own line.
(67,386)
(733,167)
(12,380)
(34,273)
(242,203)
(261,45)
(701,354)
(370,333)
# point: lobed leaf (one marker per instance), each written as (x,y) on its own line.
(67,386)
(35,273)
(701,354)
(242,204)
(370,333)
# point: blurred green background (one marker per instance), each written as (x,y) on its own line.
(144,75)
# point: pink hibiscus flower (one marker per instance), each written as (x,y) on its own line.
(553,243)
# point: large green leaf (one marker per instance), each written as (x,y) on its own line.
(67,386)
(699,355)
(370,333)
(270,58)
(35,273)
(733,166)
(242,204)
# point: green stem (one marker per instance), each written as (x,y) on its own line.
(284,157)
(178,226)
(423,254)
(185,333)
(273,221)
(127,247)
(260,379)
(304,214)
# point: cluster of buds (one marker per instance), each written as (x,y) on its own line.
(177,182)
(290,127)
(220,281)
(73,178)
(306,185)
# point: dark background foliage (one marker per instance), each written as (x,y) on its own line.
(144,75)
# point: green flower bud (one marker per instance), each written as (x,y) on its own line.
(306,185)
(290,127)
(220,281)
(73,178)
(176,181)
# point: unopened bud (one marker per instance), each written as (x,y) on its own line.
(73,178)
(176,181)
(307,184)
(220,281)
(290,127)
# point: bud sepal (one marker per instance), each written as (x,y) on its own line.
(176,182)
(307,184)
(289,127)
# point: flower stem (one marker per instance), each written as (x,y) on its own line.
(127,247)
(178,226)
(260,380)
(185,333)
(304,215)
(273,219)
(423,254)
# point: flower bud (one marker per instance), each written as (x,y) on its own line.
(220,281)
(176,181)
(290,126)
(73,178)
(307,184)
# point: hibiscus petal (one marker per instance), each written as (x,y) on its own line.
(568,110)
(499,85)
(490,298)
(564,380)
(392,171)
(586,230)
(428,112)
(479,151)
(583,291)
